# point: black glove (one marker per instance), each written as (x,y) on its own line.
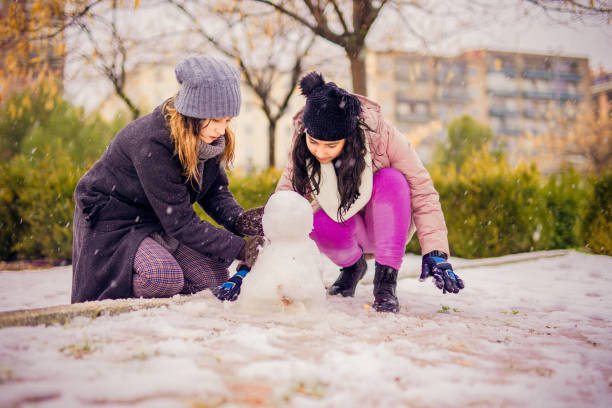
(248,222)
(250,251)
(230,289)
(435,264)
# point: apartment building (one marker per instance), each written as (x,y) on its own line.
(519,95)
(601,92)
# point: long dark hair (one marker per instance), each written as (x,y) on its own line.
(349,166)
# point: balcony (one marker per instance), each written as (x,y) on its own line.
(510,131)
(509,72)
(503,92)
(502,112)
(569,76)
(413,118)
(602,79)
(408,76)
(538,74)
(455,79)
(532,114)
(453,95)
(540,94)
(570,96)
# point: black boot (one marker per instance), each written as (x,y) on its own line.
(385,280)
(349,276)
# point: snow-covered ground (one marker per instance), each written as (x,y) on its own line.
(535,333)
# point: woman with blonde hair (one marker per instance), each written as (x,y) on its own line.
(135,230)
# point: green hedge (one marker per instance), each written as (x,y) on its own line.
(493,209)
(490,208)
(45,146)
(487,215)
(45,205)
(597,225)
(250,189)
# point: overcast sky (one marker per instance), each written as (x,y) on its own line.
(592,41)
(496,25)
(503,27)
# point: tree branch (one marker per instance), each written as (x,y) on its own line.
(594,7)
(340,16)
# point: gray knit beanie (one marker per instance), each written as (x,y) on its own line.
(210,88)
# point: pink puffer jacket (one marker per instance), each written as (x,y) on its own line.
(391,149)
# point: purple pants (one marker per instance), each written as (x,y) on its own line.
(157,273)
(380,228)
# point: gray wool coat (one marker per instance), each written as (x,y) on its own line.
(136,188)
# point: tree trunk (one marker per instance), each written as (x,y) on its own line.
(272,143)
(358,72)
(123,96)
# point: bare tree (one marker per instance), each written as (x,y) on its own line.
(344,24)
(269,49)
(591,140)
(31,51)
(39,37)
(576,137)
(579,9)
(109,59)
(348,23)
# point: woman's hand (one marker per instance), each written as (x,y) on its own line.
(248,222)
(251,249)
(230,289)
(435,264)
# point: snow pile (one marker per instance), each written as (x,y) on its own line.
(288,271)
(534,333)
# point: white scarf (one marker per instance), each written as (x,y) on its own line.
(329,197)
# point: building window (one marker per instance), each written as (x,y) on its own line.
(451,72)
(412,69)
(413,111)
(500,84)
(567,67)
(384,65)
(502,64)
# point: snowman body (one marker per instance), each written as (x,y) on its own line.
(288,271)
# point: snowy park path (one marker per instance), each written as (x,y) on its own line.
(536,333)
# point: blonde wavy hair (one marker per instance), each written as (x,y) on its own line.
(184,132)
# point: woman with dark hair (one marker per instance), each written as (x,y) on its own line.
(135,230)
(369,191)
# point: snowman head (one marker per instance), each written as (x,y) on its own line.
(287,216)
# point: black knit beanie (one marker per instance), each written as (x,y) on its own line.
(331,113)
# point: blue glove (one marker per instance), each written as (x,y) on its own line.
(230,289)
(435,264)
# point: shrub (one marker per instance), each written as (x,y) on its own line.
(19,114)
(250,190)
(565,194)
(495,215)
(45,204)
(465,138)
(46,145)
(492,209)
(10,222)
(253,189)
(597,223)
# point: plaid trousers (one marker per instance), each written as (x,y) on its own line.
(157,273)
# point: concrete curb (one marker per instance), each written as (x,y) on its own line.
(510,259)
(462,264)
(63,314)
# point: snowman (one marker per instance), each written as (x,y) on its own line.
(288,270)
